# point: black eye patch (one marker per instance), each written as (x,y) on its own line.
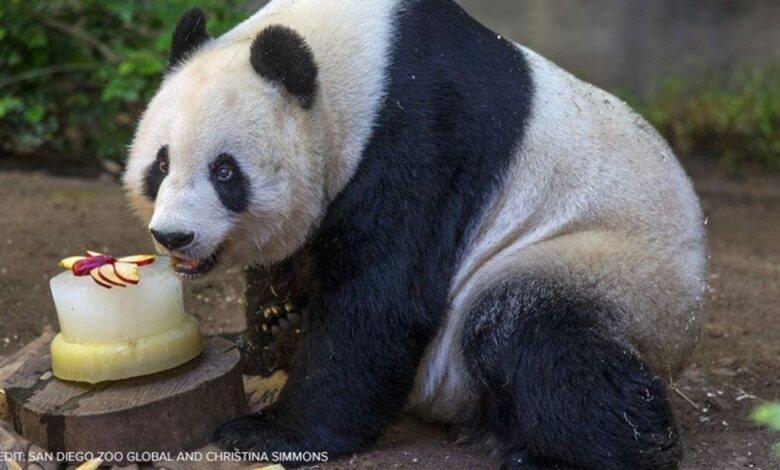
(230,182)
(156,173)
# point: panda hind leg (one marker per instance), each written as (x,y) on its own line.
(559,389)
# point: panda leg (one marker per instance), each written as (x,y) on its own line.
(559,387)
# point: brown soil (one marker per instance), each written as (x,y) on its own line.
(737,364)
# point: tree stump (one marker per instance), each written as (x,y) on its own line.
(171,411)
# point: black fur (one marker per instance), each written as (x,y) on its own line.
(559,387)
(190,34)
(155,174)
(235,193)
(456,106)
(281,55)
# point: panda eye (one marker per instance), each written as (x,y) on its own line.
(163,162)
(224,169)
(155,174)
(224,172)
(230,183)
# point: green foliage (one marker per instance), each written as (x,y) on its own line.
(737,123)
(768,414)
(74,74)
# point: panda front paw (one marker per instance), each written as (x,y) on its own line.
(274,437)
(259,435)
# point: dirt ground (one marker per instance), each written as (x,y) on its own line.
(737,364)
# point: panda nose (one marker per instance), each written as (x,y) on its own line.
(173,240)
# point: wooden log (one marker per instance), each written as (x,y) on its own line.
(36,347)
(18,450)
(171,411)
(9,365)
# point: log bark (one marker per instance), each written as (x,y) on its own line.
(171,411)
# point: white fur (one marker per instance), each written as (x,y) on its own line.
(596,198)
(297,160)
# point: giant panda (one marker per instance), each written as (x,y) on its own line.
(493,244)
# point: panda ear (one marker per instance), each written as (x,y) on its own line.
(281,55)
(190,33)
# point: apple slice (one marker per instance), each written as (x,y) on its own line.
(127,272)
(85,266)
(95,273)
(95,253)
(107,274)
(138,260)
(68,262)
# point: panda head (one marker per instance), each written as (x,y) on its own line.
(226,165)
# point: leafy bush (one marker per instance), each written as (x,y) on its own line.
(769,415)
(737,123)
(75,73)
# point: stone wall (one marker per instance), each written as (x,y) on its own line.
(636,44)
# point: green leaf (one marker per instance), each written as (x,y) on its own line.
(13,58)
(123,9)
(126,68)
(125,88)
(37,39)
(34,114)
(768,414)
(9,104)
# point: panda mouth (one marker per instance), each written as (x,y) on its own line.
(193,268)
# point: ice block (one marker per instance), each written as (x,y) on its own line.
(129,330)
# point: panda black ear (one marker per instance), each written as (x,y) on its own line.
(190,33)
(281,55)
